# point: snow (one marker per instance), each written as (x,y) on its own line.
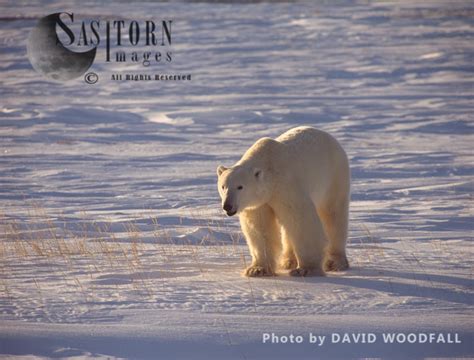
(113,243)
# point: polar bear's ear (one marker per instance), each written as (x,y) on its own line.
(221,169)
(257,173)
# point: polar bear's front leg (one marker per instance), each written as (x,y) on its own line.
(262,233)
(302,228)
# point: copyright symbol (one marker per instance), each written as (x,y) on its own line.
(91,78)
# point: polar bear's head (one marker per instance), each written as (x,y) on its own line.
(243,187)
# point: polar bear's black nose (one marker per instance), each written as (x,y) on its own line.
(227,207)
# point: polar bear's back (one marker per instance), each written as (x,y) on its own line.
(303,135)
(317,157)
(311,141)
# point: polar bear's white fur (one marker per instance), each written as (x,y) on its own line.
(292,197)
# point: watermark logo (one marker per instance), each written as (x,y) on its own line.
(91,78)
(62,57)
(50,57)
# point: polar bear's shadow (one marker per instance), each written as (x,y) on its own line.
(421,285)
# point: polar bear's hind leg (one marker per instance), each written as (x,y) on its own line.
(335,222)
(288,259)
(302,227)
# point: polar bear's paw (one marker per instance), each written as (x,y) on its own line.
(336,263)
(289,264)
(255,271)
(303,271)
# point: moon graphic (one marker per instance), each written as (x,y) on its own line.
(49,57)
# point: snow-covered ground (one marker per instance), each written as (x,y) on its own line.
(113,243)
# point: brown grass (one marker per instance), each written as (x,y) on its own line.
(66,246)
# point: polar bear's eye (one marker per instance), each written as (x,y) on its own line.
(240,187)
(222,187)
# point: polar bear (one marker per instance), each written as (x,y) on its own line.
(292,198)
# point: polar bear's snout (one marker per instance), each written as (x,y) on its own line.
(229,208)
